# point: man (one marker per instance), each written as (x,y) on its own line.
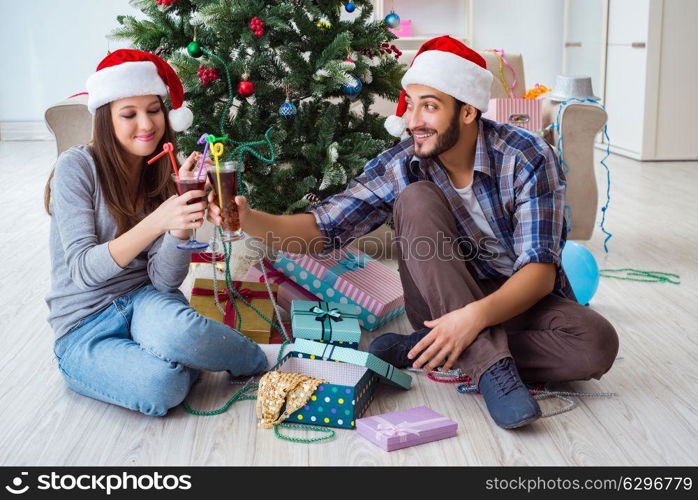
(489,296)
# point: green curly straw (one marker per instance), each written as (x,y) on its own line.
(241,147)
(230,88)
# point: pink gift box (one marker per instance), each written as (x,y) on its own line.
(288,290)
(405,428)
(524,113)
(404,30)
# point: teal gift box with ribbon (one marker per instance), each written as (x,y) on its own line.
(351,377)
(348,277)
(329,322)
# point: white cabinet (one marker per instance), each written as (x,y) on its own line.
(585,40)
(650,77)
(625,95)
(630,20)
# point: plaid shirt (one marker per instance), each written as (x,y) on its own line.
(517,181)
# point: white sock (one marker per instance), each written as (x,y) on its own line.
(271,351)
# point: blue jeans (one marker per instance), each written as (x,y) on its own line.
(147,348)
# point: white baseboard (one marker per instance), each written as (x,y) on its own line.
(24,131)
(634,155)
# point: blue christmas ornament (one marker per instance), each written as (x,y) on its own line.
(350,7)
(287,110)
(392,20)
(581,270)
(353,88)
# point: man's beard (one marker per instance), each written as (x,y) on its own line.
(444,141)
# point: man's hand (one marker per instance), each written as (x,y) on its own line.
(214,211)
(451,334)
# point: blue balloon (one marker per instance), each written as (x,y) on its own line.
(581,269)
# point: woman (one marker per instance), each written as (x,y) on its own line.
(124,332)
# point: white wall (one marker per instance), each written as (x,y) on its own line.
(50,47)
(533,28)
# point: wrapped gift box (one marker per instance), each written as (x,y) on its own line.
(208,260)
(524,113)
(253,325)
(277,337)
(348,277)
(289,290)
(350,385)
(325,322)
(404,428)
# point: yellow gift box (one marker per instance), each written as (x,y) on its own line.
(252,324)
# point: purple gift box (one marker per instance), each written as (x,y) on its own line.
(404,428)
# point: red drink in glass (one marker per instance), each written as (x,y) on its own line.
(185,185)
(225,187)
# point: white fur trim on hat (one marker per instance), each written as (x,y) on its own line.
(181,118)
(453,75)
(395,125)
(127,79)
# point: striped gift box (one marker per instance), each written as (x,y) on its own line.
(348,276)
(524,113)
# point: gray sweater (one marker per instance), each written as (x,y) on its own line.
(84,277)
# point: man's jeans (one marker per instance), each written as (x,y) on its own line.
(147,348)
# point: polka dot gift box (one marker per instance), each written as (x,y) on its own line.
(325,322)
(351,377)
(349,277)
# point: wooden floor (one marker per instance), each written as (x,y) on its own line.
(652,421)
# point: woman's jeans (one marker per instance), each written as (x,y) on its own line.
(147,348)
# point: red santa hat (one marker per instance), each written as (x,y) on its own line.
(449,66)
(128,73)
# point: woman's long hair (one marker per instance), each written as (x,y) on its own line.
(113,173)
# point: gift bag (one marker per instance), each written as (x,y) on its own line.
(524,113)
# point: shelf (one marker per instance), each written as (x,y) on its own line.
(446,17)
(424,38)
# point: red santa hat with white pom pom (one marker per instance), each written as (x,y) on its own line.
(129,73)
(447,65)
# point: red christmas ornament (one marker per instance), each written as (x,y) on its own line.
(257,26)
(385,48)
(245,88)
(207,75)
(166,3)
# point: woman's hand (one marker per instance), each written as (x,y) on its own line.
(175,215)
(190,167)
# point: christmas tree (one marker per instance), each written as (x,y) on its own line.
(297,66)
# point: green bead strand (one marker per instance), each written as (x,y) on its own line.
(230,87)
(631,274)
(330,433)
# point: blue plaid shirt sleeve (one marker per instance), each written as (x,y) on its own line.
(364,205)
(539,211)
